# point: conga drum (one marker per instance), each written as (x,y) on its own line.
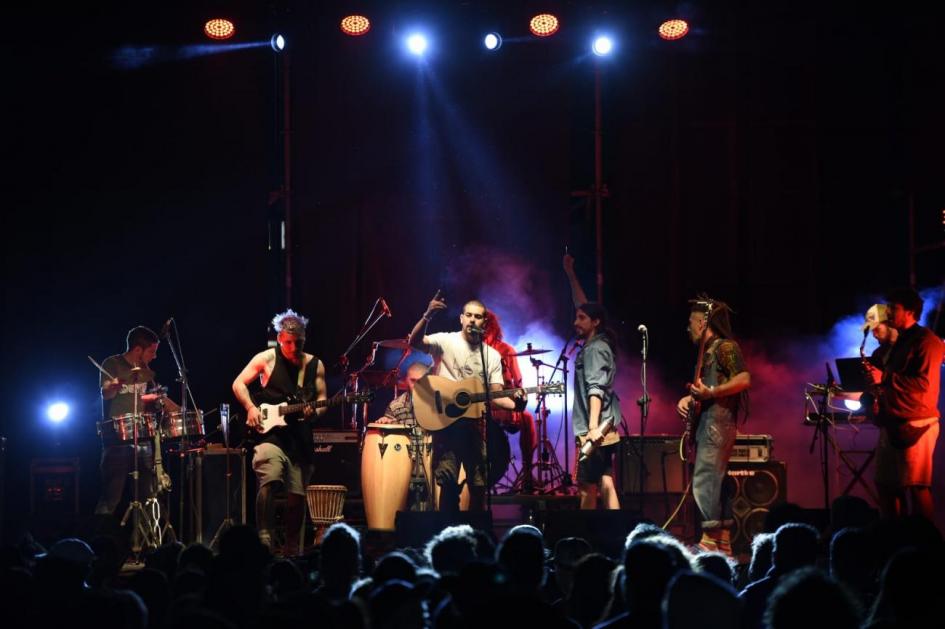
(385,473)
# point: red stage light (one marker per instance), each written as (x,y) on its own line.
(355,25)
(219,28)
(671,30)
(544,25)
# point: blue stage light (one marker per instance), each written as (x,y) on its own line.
(57,412)
(277,42)
(492,41)
(602,46)
(417,44)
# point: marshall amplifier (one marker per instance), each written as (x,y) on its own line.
(338,459)
(752,449)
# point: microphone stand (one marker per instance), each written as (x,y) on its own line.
(185,395)
(368,325)
(644,403)
(485,428)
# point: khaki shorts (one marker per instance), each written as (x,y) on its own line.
(908,467)
(271,464)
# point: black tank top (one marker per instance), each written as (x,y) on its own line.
(296,438)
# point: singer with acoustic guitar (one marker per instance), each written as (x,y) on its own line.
(458,356)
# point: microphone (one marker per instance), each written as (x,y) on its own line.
(473,330)
(167,327)
(641,329)
(385,307)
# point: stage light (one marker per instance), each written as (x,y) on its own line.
(417,44)
(57,412)
(277,42)
(544,25)
(603,45)
(219,28)
(852,405)
(492,41)
(355,25)
(671,30)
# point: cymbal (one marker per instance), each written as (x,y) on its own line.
(394,343)
(532,352)
(819,388)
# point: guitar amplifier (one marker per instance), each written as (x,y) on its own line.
(338,459)
(752,449)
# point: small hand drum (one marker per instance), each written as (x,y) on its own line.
(325,504)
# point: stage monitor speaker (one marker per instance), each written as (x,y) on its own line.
(754,489)
(663,470)
(210,490)
(416,528)
(606,530)
(338,460)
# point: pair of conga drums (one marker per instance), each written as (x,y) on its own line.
(386,468)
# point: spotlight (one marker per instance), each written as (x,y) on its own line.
(219,28)
(417,44)
(602,46)
(355,25)
(492,41)
(852,405)
(57,412)
(544,25)
(277,42)
(671,30)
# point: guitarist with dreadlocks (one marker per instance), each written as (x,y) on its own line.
(716,397)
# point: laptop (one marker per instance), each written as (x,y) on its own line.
(850,372)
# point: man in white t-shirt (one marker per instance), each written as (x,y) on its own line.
(457,357)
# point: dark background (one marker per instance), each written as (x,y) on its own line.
(769,158)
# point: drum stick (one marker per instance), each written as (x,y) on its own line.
(108,375)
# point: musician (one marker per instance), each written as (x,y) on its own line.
(909,417)
(131,376)
(513,422)
(285,455)
(457,357)
(595,401)
(400,409)
(722,389)
(877,323)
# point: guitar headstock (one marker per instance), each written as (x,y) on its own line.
(555,388)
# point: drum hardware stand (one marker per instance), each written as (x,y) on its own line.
(144,530)
(351,381)
(421,488)
(227,520)
(185,395)
(549,468)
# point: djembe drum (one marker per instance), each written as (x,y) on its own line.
(325,504)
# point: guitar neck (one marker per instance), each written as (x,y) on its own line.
(297,408)
(481,397)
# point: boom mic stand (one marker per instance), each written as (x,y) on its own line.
(644,403)
(352,381)
(184,445)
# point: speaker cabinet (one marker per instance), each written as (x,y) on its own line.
(54,487)
(663,470)
(210,479)
(338,460)
(753,489)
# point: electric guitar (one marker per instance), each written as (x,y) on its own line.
(273,415)
(687,444)
(438,402)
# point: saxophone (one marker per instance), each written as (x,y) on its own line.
(869,401)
